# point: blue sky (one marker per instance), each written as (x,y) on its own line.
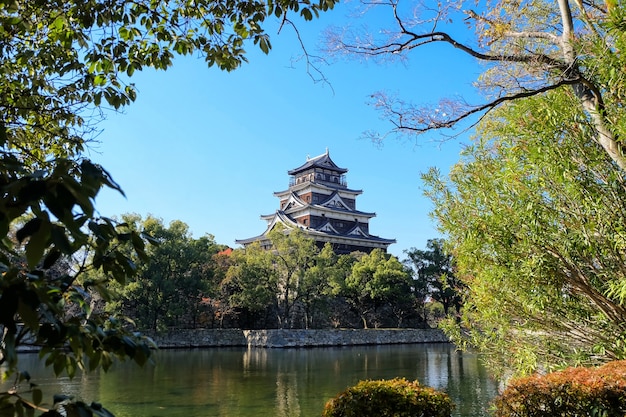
(210,148)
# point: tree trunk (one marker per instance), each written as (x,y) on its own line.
(590,97)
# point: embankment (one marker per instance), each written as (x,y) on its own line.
(281,338)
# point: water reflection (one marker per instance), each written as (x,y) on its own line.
(271,382)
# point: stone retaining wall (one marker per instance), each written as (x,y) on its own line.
(295,338)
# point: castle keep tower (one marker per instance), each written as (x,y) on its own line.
(319,202)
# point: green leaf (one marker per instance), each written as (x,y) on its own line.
(28,229)
(147,236)
(60,240)
(9,351)
(37,396)
(51,258)
(59,364)
(264,44)
(29,315)
(19,409)
(37,244)
(94,360)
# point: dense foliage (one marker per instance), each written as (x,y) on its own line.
(61,64)
(534,215)
(389,398)
(296,285)
(197,283)
(376,280)
(170,288)
(434,269)
(584,392)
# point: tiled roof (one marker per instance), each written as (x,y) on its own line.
(322,161)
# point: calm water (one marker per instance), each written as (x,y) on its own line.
(237,382)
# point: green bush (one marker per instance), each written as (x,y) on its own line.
(389,398)
(580,392)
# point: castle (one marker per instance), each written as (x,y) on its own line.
(319,202)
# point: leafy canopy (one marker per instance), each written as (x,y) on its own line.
(375,279)
(62,64)
(534,214)
(435,274)
(168,289)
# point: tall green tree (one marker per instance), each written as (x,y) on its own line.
(282,270)
(337,274)
(62,63)
(527,48)
(217,308)
(376,279)
(434,272)
(169,288)
(534,214)
(293,255)
(315,288)
(251,282)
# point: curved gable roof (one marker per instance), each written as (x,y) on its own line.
(328,228)
(321,161)
(294,201)
(334,200)
(357,231)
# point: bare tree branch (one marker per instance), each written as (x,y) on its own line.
(526,57)
(312,67)
(434,123)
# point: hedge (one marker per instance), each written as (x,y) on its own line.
(389,398)
(579,392)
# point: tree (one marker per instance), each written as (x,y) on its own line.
(287,260)
(534,214)
(251,282)
(315,288)
(337,273)
(62,62)
(293,254)
(219,307)
(168,289)
(528,48)
(434,272)
(45,293)
(376,278)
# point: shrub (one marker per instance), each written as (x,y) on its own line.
(389,398)
(592,392)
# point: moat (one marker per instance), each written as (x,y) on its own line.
(238,382)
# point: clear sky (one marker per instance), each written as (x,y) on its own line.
(210,148)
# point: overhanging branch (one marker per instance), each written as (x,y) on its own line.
(443,124)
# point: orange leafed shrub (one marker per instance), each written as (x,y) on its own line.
(389,398)
(579,392)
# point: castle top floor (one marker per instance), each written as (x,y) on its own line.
(320,169)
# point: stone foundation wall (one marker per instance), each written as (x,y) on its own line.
(295,338)
(199,338)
